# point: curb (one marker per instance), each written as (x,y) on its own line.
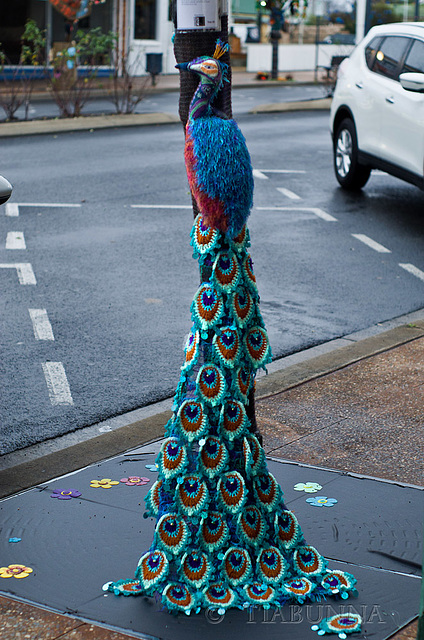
(67,460)
(55,126)
(83,123)
(319,104)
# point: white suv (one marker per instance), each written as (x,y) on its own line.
(377,113)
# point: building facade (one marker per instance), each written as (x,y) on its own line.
(143,27)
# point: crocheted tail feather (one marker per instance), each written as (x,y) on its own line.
(223,537)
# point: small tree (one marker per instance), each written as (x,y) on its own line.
(127,89)
(17,87)
(75,70)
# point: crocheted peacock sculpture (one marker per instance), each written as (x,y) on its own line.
(223,536)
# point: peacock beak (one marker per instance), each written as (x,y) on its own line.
(182,65)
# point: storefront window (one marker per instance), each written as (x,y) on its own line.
(145,19)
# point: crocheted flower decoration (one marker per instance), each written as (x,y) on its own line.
(15,539)
(322,501)
(65,494)
(15,571)
(135,481)
(307,487)
(151,467)
(105,483)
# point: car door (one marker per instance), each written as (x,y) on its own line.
(402,124)
(363,97)
(381,82)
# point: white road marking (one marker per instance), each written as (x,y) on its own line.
(318,212)
(282,171)
(15,240)
(41,324)
(371,243)
(161,206)
(24,271)
(288,193)
(57,383)
(259,174)
(12,208)
(413,269)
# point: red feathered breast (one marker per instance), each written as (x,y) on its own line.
(212,210)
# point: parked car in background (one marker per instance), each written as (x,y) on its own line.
(377,113)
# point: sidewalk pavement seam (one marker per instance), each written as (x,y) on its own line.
(27,474)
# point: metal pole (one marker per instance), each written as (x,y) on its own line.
(417,11)
(48,19)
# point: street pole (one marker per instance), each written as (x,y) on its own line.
(191,41)
(194,40)
(48,21)
(417,11)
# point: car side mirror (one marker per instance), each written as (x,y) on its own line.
(5,190)
(412,81)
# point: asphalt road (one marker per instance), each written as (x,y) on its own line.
(114,282)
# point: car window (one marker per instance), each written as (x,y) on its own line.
(415,59)
(371,51)
(389,55)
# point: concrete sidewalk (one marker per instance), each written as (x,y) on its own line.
(353,405)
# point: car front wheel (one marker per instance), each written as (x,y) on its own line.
(350,174)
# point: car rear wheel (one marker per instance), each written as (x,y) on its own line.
(350,174)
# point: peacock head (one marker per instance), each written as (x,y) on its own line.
(209,68)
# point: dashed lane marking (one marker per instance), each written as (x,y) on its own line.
(57,383)
(371,243)
(41,324)
(24,271)
(282,171)
(317,212)
(413,269)
(15,240)
(259,174)
(12,208)
(161,206)
(288,193)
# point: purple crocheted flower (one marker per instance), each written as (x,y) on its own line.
(135,481)
(65,494)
